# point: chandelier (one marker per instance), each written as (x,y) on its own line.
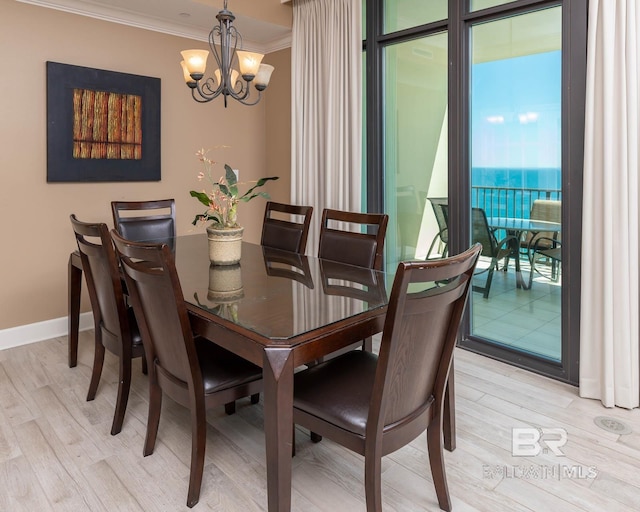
(226,80)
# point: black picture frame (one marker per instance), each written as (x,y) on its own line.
(62,166)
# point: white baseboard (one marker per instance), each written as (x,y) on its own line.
(25,334)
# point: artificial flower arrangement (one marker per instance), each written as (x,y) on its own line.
(223,199)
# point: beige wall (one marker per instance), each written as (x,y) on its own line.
(34,220)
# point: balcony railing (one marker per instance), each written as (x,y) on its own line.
(510,202)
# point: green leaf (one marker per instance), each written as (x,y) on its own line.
(230,176)
(202,197)
(246,198)
(198,217)
(260,182)
(225,190)
(232,181)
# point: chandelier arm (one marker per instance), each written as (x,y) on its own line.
(199,99)
(212,44)
(225,54)
(232,34)
(242,93)
(251,103)
(207,88)
(205,91)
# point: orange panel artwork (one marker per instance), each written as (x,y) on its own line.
(107,125)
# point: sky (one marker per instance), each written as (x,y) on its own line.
(516,112)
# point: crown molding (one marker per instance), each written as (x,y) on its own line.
(136,20)
(278,44)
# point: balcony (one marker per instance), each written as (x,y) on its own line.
(526,320)
(510,202)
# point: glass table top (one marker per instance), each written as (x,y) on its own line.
(275,293)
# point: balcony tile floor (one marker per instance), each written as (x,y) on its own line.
(527,320)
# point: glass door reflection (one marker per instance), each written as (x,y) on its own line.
(516,150)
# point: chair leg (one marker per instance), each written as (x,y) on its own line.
(315,438)
(153,419)
(373,482)
(230,408)
(124,386)
(293,441)
(255,398)
(98,360)
(436,461)
(367,344)
(532,262)
(449,412)
(487,285)
(145,368)
(198,445)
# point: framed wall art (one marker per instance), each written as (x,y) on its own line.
(101,125)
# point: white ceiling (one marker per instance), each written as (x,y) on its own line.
(184,18)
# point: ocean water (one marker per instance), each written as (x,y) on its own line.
(519,188)
(545,178)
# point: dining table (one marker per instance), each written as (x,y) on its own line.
(517,227)
(279,310)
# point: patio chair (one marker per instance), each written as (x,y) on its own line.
(491,247)
(549,249)
(410,209)
(546,210)
(441,212)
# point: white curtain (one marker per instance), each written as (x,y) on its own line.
(326,61)
(609,355)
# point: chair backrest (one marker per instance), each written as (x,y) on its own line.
(547,210)
(360,283)
(363,249)
(151,220)
(104,284)
(286,226)
(160,310)
(441,212)
(287,264)
(481,232)
(421,326)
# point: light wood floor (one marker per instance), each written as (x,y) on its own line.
(56,452)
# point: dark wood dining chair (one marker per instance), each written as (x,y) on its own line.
(194,372)
(355,239)
(376,404)
(286,226)
(289,265)
(364,284)
(115,324)
(145,220)
(359,243)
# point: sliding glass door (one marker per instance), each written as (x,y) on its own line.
(415,145)
(474,129)
(516,177)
